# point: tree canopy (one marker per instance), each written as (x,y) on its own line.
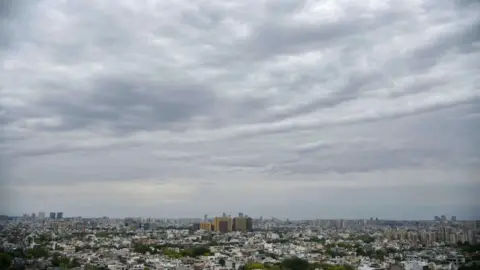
(5,261)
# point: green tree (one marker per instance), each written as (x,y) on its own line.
(5,261)
(252,266)
(221,261)
(295,263)
(379,254)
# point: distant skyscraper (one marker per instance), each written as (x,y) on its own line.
(205,218)
(59,215)
(240,224)
(223,224)
(207,226)
(454,218)
(52,215)
(249,224)
(41,215)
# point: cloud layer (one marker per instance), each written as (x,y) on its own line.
(156,108)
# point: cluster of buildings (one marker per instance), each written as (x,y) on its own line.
(446,234)
(444,218)
(225,224)
(42,216)
(236,241)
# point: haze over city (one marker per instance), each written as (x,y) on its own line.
(293,109)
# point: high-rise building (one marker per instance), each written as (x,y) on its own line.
(472,238)
(454,218)
(240,224)
(59,215)
(41,215)
(207,226)
(196,226)
(223,224)
(52,215)
(249,224)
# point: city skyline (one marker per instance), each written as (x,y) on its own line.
(211,217)
(274,108)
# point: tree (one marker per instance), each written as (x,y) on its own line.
(379,254)
(295,263)
(252,266)
(5,261)
(221,261)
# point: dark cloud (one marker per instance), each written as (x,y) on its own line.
(370,159)
(131,105)
(13,14)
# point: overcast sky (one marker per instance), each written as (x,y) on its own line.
(299,109)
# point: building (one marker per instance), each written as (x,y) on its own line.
(240,224)
(454,218)
(59,215)
(472,238)
(223,224)
(196,226)
(249,224)
(207,226)
(41,215)
(52,215)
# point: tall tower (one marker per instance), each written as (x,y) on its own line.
(205,218)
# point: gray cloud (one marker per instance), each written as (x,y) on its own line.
(162,103)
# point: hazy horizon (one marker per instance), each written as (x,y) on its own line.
(292,109)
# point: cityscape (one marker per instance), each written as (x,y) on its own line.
(240,135)
(226,242)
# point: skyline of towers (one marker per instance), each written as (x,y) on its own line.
(226,223)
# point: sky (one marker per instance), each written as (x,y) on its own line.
(288,109)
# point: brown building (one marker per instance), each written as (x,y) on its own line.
(223,224)
(207,226)
(240,224)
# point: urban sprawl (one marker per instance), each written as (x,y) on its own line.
(40,241)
